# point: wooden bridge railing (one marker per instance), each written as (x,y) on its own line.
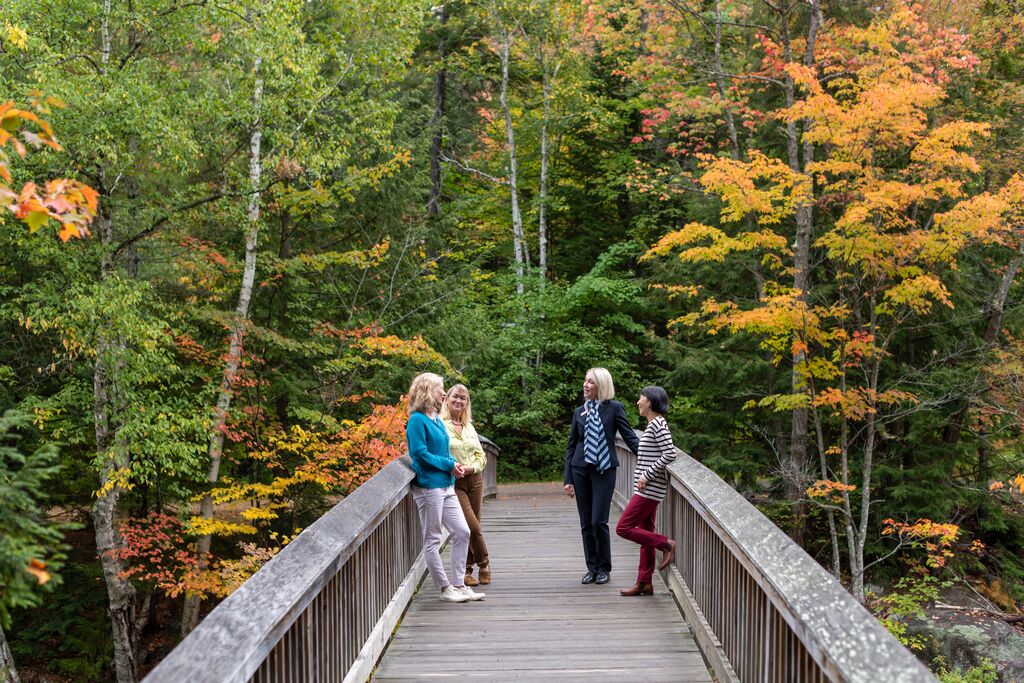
(324,608)
(761,608)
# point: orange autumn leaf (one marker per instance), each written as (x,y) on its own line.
(830,490)
(69,202)
(935,538)
(37,568)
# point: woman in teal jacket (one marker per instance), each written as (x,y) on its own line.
(433,488)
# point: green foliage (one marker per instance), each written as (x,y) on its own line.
(525,358)
(907,600)
(358,287)
(985,673)
(71,636)
(30,544)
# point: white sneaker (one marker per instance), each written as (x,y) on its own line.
(453,594)
(470,593)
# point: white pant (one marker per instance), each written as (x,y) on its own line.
(440,508)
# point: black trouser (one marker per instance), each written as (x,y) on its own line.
(593,501)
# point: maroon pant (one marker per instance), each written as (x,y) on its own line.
(637,525)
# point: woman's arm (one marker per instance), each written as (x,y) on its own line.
(624,429)
(478,458)
(574,439)
(663,440)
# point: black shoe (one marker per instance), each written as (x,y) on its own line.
(602,577)
(590,577)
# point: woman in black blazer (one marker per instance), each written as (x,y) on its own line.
(590,464)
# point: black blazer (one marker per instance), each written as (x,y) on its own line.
(613,417)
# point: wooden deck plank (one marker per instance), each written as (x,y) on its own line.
(538,622)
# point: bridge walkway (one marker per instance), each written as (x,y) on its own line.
(538,623)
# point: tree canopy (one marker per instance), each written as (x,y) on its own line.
(805,220)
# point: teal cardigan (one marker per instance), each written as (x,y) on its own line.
(429,449)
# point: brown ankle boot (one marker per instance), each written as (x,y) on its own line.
(470,581)
(485,575)
(638,589)
(667,554)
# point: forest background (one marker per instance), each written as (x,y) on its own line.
(805,219)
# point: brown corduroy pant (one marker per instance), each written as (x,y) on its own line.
(470,491)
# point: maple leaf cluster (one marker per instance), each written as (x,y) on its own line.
(157,553)
(69,202)
(936,539)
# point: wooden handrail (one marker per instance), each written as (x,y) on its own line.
(491,469)
(323,608)
(762,609)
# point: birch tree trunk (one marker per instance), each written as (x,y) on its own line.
(549,75)
(107,404)
(844,468)
(518,235)
(730,120)
(833,533)
(190,615)
(996,308)
(998,304)
(114,452)
(8,672)
(870,438)
(995,322)
(120,592)
(437,121)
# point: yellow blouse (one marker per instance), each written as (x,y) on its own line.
(466,449)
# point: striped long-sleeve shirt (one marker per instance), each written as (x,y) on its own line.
(656,452)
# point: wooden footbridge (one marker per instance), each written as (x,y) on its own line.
(344,601)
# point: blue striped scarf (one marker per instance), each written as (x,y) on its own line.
(595,445)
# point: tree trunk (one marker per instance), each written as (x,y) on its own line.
(542,216)
(105,37)
(833,533)
(518,235)
(437,121)
(794,474)
(730,120)
(190,615)
(110,447)
(951,433)
(870,438)
(141,621)
(8,672)
(998,304)
(844,473)
(120,592)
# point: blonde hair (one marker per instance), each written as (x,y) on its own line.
(467,414)
(421,397)
(603,379)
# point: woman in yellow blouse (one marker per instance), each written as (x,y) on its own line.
(457,415)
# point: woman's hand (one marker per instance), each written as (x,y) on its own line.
(468,470)
(569,490)
(641,483)
(459,471)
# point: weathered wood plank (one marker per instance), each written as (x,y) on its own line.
(538,622)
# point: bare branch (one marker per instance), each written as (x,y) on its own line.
(469,169)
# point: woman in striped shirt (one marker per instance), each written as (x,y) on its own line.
(650,483)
